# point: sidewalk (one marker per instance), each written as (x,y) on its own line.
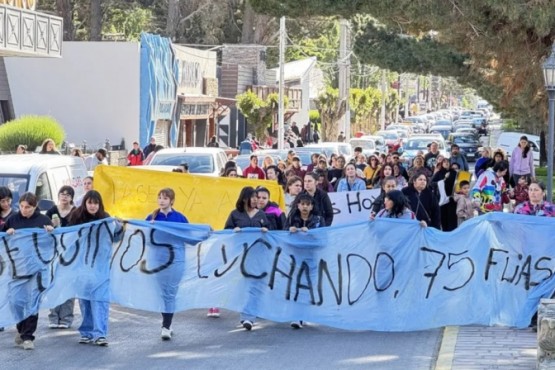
(478,348)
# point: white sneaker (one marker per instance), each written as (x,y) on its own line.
(28,344)
(297,324)
(166,334)
(53,326)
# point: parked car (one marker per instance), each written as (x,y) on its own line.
(205,161)
(328,148)
(392,140)
(467,143)
(368,145)
(444,131)
(244,160)
(381,146)
(420,143)
(43,175)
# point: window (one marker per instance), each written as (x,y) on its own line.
(43,187)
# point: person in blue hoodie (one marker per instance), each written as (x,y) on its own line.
(165,212)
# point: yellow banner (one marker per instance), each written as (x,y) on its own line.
(462,175)
(129,192)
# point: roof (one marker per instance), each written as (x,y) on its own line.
(21,163)
(297,69)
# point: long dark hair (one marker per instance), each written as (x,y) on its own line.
(526,148)
(244,198)
(399,200)
(80,215)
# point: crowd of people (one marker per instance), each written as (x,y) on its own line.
(428,191)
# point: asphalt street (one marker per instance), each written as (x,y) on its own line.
(207,343)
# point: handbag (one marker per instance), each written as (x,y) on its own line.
(443,198)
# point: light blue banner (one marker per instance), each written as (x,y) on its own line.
(386,275)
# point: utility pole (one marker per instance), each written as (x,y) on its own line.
(281,120)
(384,96)
(344,64)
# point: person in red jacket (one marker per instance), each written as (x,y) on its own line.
(135,156)
(253,171)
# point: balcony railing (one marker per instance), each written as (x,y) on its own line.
(29,33)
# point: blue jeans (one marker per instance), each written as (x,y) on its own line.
(95,318)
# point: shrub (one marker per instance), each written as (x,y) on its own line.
(30,131)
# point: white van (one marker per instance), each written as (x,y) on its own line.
(508,141)
(42,174)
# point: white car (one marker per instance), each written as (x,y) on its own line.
(201,161)
(420,143)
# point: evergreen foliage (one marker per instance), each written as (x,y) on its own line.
(30,131)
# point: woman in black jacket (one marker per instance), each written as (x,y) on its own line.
(448,210)
(322,202)
(246,214)
(29,216)
(422,201)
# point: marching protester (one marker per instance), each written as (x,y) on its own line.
(396,206)
(273,173)
(322,202)
(292,189)
(275,215)
(490,188)
(246,214)
(150,147)
(335,172)
(21,149)
(88,184)
(93,160)
(398,174)
(482,163)
(465,204)
(94,327)
(458,157)
(165,212)
(61,317)
(29,216)
(522,161)
(49,147)
(253,171)
(389,183)
(418,167)
(386,171)
(303,218)
(231,172)
(520,192)
(443,180)
(323,183)
(537,205)
(6,209)
(135,156)
(422,201)
(350,181)
(371,171)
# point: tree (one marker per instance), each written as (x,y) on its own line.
(260,113)
(494,46)
(331,109)
(96,20)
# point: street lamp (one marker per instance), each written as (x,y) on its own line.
(549,77)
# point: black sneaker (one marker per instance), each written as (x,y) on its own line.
(103,342)
(85,340)
(297,324)
(247,324)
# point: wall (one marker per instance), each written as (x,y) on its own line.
(194,66)
(93,91)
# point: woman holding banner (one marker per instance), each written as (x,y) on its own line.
(246,214)
(293,188)
(422,201)
(322,202)
(94,327)
(165,212)
(389,183)
(29,216)
(396,206)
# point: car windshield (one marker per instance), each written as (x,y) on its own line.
(18,184)
(420,144)
(198,162)
(464,140)
(364,144)
(389,135)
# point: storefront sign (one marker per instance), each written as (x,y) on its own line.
(21,4)
(195,109)
(165,109)
(191,74)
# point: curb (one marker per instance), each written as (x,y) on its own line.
(446,352)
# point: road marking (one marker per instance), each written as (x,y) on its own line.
(447,348)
